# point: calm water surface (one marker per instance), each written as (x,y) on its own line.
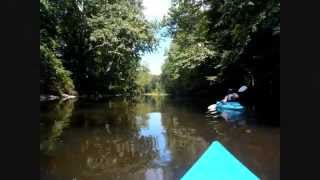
(146,138)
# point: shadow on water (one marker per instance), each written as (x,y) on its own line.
(143,138)
(53,122)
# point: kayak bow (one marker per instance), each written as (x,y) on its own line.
(218,163)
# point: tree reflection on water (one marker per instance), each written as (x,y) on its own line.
(53,123)
(139,138)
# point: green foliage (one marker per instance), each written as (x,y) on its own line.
(99,42)
(190,50)
(54,78)
(233,40)
(143,79)
(119,35)
(148,83)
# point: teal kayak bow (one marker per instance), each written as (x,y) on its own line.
(218,163)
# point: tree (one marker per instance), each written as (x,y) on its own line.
(98,44)
(54,78)
(143,80)
(237,41)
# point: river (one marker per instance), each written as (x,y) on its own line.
(145,138)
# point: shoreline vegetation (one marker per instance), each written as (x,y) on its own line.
(93,49)
(156,94)
(63,97)
(51,97)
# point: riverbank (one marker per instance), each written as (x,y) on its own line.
(54,97)
(156,94)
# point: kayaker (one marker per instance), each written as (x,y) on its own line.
(232,96)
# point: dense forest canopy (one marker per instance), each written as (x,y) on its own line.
(92,46)
(235,42)
(95,47)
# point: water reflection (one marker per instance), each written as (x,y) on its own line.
(156,130)
(53,123)
(141,138)
(237,118)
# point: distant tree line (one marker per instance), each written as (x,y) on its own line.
(147,82)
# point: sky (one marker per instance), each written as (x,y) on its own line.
(155,10)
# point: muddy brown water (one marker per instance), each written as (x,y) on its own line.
(145,138)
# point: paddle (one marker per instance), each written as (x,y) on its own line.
(212,107)
(242,89)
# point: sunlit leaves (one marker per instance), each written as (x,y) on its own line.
(100,42)
(224,31)
(55,78)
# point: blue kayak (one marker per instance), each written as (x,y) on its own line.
(236,106)
(218,163)
(233,116)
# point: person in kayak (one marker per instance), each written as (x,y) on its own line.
(231,97)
